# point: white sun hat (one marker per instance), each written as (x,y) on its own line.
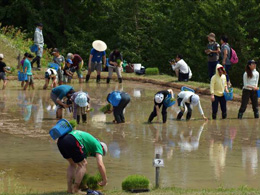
(104,147)
(1,55)
(99,45)
(195,99)
(81,99)
(158,98)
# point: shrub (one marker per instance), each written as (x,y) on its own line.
(135,182)
(151,71)
(91,181)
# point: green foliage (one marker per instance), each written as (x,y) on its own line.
(146,32)
(105,108)
(73,123)
(91,181)
(151,71)
(135,182)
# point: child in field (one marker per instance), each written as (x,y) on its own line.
(21,69)
(3,70)
(80,106)
(68,74)
(50,74)
(159,97)
(27,69)
(218,84)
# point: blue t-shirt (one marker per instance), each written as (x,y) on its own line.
(61,91)
(97,55)
(27,64)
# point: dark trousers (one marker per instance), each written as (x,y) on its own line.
(118,110)
(223,106)
(212,68)
(183,77)
(180,114)
(245,98)
(154,113)
(227,68)
(37,59)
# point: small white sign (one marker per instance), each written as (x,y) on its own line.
(158,163)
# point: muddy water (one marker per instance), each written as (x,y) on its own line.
(196,154)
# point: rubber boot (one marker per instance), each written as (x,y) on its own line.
(87,77)
(179,115)
(214,116)
(108,80)
(224,115)
(120,80)
(98,79)
(84,118)
(240,115)
(150,119)
(78,119)
(256,114)
(188,116)
(164,118)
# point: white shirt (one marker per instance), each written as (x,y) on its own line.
(251,81)
(182,66)
(185,96)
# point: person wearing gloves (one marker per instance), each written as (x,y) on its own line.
(80,106)
(39,41)
(119,100)
(50,74)
(188,99)
(218,84)
(57,94)
(159,97)
(97,55)
(250,80)
(76,147)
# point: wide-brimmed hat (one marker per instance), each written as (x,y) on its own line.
(99,45)
(1,55)
(212,36)
(82,99)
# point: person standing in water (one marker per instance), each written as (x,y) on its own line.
(218,84)
(250,80)
(97,55)
(159,97)
(3,70)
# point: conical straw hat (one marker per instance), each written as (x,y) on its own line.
(99,45)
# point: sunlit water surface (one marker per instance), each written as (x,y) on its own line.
(197,154)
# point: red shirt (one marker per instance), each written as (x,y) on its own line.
(76,60)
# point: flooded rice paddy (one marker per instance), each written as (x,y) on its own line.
(197,154)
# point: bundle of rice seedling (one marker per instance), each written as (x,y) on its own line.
(105,108)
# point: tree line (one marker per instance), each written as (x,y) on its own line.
(146,31)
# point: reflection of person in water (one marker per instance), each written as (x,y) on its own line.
(249,149)
(190,142)
(218,151)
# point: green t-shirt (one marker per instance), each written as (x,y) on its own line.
(90,145)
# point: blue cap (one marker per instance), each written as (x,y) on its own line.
(251,62)
(69,61)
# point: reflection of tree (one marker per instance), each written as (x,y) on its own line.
(249,149)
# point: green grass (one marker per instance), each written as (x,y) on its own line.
(151,71)
(135,182)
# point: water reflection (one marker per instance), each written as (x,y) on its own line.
(196,153)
